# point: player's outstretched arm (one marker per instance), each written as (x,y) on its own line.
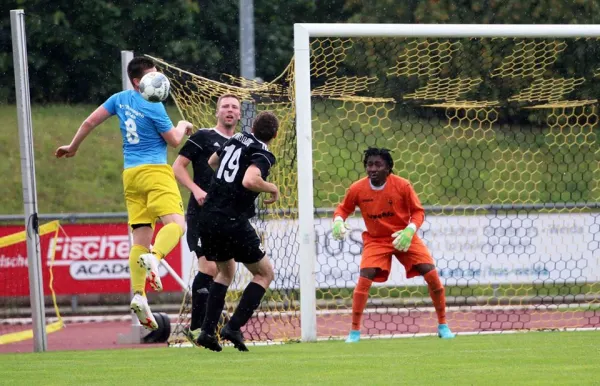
(253,181)
(95,119)
(183,176)
(174,136)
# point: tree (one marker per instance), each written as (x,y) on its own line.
(74,45)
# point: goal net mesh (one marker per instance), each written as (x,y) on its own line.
(499,139)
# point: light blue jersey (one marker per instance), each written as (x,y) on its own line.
(141,123)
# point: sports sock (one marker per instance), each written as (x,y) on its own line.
(249,302)
(137,274)
(166,239)
(200,288)
(359,300)
(438,296)
(214,307)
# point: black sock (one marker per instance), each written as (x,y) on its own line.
(214,307)
(248,303)
(200,288)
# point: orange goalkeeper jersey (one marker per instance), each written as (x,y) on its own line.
(385,211)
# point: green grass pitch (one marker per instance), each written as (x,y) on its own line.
(537,358)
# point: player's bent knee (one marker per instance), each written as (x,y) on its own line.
(268,277)
(265,274)
(207,267)
(263,281)
(369,273)
(142,235)
(176,218)
(183,227)
(223,278)
(423,269)
(225,272)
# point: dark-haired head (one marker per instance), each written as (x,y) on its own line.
(138,67)
(265,126)
(378,164)
(382,152)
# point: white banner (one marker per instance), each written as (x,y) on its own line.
(494,249)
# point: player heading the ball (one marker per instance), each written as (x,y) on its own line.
(151,192)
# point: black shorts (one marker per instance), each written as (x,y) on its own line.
(191,235)
(225,240)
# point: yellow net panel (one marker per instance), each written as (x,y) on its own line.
(529,58)
(15,326)
(498,138)
(424,58)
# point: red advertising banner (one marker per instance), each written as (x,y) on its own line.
(89,259)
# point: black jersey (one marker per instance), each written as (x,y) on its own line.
(198,149)
(227,197)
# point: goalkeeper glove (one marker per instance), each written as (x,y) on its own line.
(340,227)
(403,238)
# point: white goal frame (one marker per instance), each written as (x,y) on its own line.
(302,35)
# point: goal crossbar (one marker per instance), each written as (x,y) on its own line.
(448,30)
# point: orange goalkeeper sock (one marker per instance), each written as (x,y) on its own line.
(137,274)
(359,300)
(166,239)
(438,296)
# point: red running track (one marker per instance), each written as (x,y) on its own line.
(103,335)
(81,336)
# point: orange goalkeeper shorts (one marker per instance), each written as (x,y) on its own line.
(378,252)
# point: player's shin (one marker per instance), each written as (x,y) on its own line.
(137,273)
(166,239)
(359,301)
(438,296)
(214,307)
(200,288)
(249,302)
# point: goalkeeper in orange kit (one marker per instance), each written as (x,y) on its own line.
(392,213)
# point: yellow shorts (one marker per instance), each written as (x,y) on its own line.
(151,191)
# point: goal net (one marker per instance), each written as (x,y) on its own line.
(15,311)
(498,136)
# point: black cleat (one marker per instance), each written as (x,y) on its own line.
(209,341)
(235,337)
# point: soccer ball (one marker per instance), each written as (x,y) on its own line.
(155,87)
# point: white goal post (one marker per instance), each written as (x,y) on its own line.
(302,66)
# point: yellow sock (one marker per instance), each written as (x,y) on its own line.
(166,239)
(137,273)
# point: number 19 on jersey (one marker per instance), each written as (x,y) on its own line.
(230,164)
